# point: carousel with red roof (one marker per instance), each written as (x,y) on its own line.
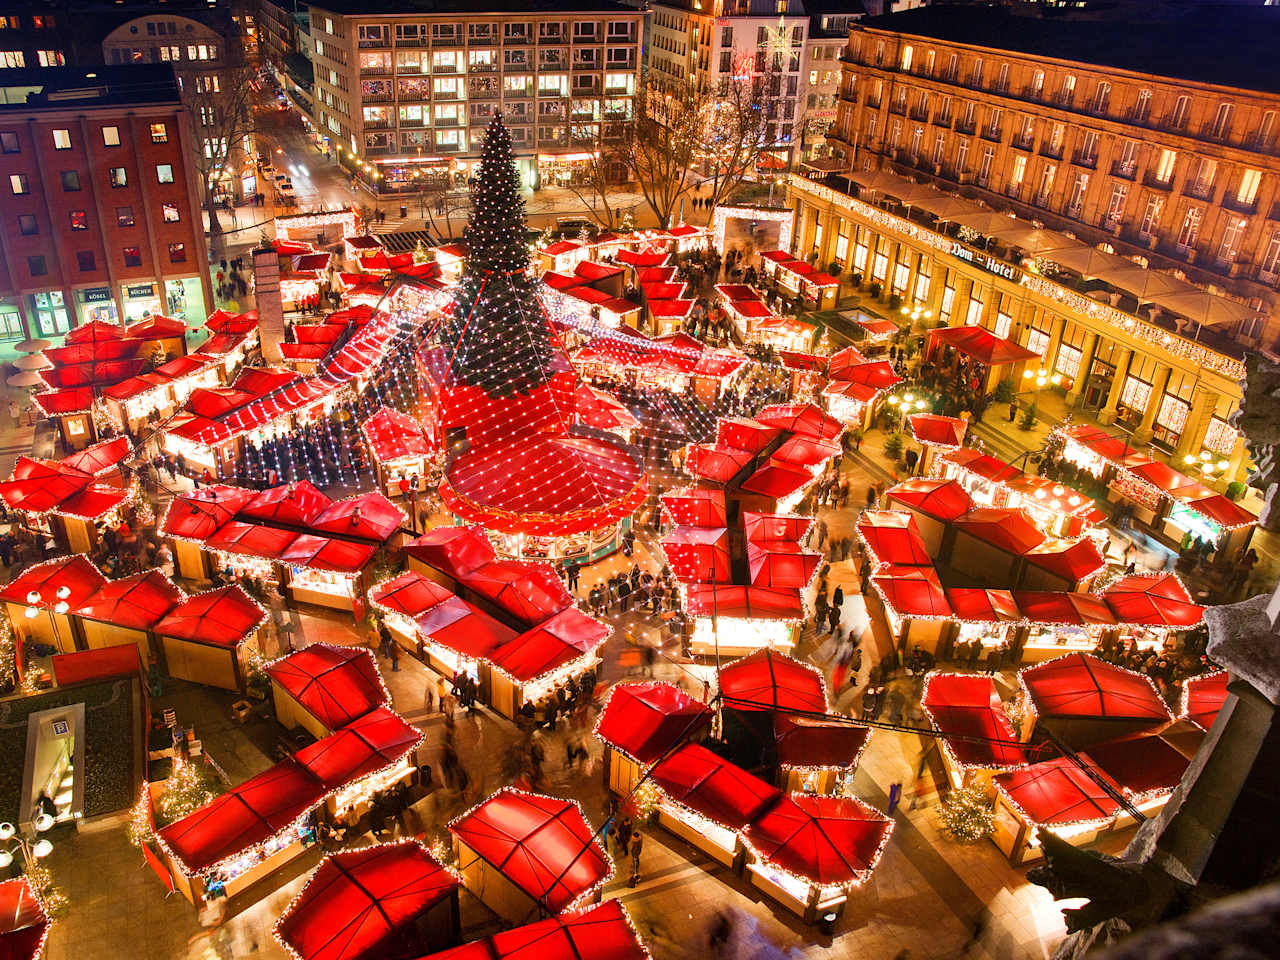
(517,461)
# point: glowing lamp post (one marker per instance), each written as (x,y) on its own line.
(30,850)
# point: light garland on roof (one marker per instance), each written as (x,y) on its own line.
(944,740)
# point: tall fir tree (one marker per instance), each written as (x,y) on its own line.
(498,336)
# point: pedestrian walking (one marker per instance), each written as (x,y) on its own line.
(637,844)
(895,794)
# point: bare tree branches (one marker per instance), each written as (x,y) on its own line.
(660,145)
(221,109)
(735,136)
(596,178)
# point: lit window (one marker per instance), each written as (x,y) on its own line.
(50,58)
(133,256)
(1247,192)
(177,253)
(117,177)
(62,139)
(11,59)
(159,133)
(124,216)
(170,212)
(18,184)
(79,220)
(111,136)
(1164,168)
(164,172)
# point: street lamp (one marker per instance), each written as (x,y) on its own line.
(31,850)
(1042,377)
(1206,464)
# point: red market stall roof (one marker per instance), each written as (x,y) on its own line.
(1070,609)
(742,602)
(698,554)
(601,933)
(322,553)
(1081,685)
(718,463)
(81,578)
(542,845)
(982,465)
(634,259)
(712,787)
(1153,600)
(912,591)
(893,537)
(966,709)
(943,500)
(665,291)
(246,815)
(876,374)
(590,271)
(644,720)
(1009,530)
(458,625)
(657,275)
(1203,697)
(138,602)
(100,457)
(982,345)
(781,564)
(766,680)
(530,591)
(937,430)
(808,742)
(454,550)
(828,841)
(368,516)
(38,485)
(358,903)
(765,527)
(334,684)
(778,480)
(1072,560)
(290,504)
(1225,513)
(983,606)
(97,664)
(409,594)
(568,636)
(371,743)
(251,540)
(24,924)
(805,419)
(733,292)
(695,506)
(801,451)
(1058,792)
(199,515)
(221,617)
(1148,764)
(559,247)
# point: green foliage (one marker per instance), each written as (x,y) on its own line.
(495,234)
(893,445)
(895,301)
(1004,391)
(1028,419)
(967,814)
(1235,490)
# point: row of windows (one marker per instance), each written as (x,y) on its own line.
(484,61)
(20,184)
(28,226)
(165,53)
(38,22)
(16,59)
(9,143)
(86,261)
(379,33)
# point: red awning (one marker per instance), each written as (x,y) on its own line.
(291,504)
(893,537)
(983,465)
(713,787)
(778,480)
(1148,764)
(877,374)
(24,924)
(601,933)
(245,815)
(718,464)
(985,606)
(38,486)
(409,594)
(811,742)
(1072,560)
(462,628)
(223,617)
(943,500)
(452,550)
(76,573)
(364,746)
(806,419)
(802,451)
(937,430)
(1203,697)
(566,637)
(1225,513)
(542,845)
(698,554)
(742,602)
(780,564)
(322,553)
(1071,609)
(1081,685)
(251,540)
(828,841)
(742,434)
(1058,792)
(644,720)
(359,903)
(767,680)
(530,591)
(912,591)
(764,527)
(199,515)
(1009,530)
(393,435)
(334,684)
(966,709)
(368,516)
(695,506)
(100,457)
(982,345)
(138,602)
(97,664)
(1159,600)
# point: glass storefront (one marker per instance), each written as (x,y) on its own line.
(10,320)
(184,300)
(95,304)
(140,300)
(50,312)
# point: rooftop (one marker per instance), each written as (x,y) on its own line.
(1224,45)
(79,87)
(386,8)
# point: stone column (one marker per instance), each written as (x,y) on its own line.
(1238,469)
(266,278)
(1144,431)
(1192,437)
(1108,413)
(1086,359)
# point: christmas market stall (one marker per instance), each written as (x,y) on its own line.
(74,499)
(817,754)
(39,601)
(323,687)
(938,436)
(399,448)
(125,611)
(24,922)
(602,932)
(389,899)
(1203,697)
(908,608)
(640,723)
(933,502)
(974,731)
(207,637)
(1076,801)
(855,386)
(985,357)
(1172,505)
(526,855)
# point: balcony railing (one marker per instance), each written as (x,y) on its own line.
(1153,180)
(1082,158)
(966,126)
(992,133)
(1201,191)
(1051,150)
(1232,202)
(1023,141)
(1126,169)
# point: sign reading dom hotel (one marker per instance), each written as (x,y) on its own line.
(986,262)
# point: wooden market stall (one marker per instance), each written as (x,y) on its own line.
(207,636)
(323,687)
(640,723)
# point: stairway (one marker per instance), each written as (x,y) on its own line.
(64,795)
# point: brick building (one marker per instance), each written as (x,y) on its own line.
(408,88)
(102,217)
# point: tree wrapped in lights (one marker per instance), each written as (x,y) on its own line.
(967,814)
(186,791)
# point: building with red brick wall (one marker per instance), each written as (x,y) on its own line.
(100,205)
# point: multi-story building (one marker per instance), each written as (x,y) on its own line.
(408,88)
(32,35)
(1163,151)
(829,23)
(284,42)
(102,216)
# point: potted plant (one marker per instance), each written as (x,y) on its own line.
(875,289)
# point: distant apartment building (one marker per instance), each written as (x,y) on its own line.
(403,93)
(101,210)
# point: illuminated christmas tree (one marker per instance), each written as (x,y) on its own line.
(967,814)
